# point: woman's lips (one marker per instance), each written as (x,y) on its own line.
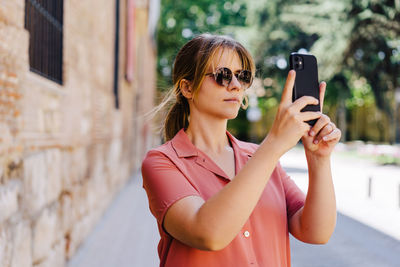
(233,100)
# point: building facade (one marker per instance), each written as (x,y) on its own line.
(75,78)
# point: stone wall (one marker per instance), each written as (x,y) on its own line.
(65,150)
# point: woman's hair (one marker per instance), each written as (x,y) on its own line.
(192,63)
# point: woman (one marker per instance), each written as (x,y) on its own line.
(219,201)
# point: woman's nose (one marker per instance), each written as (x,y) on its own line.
(234,84)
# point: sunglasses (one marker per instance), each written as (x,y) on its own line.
(223,76)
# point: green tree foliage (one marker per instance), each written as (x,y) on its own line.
(360,36)
(352,40)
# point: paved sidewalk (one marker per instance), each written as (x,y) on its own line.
(365,191)
(127,235)
(353,244)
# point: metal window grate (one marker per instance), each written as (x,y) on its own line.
(44,21)
(116,54)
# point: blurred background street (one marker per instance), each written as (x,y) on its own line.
(127,235)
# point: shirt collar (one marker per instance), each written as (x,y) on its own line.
(184,148)
(239,144)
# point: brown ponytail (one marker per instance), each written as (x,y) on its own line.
(177,118)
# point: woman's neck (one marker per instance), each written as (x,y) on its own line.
(208,135)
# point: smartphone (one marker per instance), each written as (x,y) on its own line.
(306,82)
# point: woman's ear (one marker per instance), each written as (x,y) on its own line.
(186,88)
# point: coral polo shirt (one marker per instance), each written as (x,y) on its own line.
(178,169)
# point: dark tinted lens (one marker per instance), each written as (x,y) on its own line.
(223,76)
(244,77)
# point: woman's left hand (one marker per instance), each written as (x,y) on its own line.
(324,135)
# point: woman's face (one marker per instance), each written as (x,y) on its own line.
(216,100)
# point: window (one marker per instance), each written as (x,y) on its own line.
(116,55)
(44,21)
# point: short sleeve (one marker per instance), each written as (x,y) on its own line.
(164,183)
(295,198)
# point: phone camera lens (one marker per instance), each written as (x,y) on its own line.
(296,59)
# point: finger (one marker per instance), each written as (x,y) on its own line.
(288,89)
(333,136)
(303,101)
(326,130)
(322,90)
(309,115)
(323,120)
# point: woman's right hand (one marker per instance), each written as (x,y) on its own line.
(290,123)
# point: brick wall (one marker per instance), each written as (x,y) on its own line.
(64,149)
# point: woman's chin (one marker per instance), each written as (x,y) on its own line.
(232,115)
(226,113)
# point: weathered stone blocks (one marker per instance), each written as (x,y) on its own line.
(45,233)
(9,199)
(5,246)
(42,179)
(12,12)
(22,245)
(56,256)
(65,150)
(35,176)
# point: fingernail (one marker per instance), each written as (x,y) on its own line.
(315,141)
(325,138)
(312,133)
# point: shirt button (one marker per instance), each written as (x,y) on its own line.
(246,233)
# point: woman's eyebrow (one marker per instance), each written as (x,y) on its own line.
(232,69)
(238,70)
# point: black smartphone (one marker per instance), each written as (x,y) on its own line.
(306,82)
